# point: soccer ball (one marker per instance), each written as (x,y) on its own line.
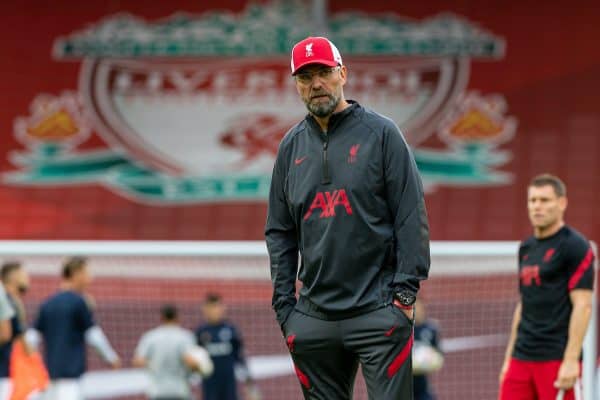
(426,359)
(204,363)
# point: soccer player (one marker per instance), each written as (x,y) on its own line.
(27,372)
(66,323)
(167,352)
(345,194)
(15,281)
(427,356)
(224,343)
(556,277)
(9,329)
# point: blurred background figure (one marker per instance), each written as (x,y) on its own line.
(10,328)
(16,283)
(427,354)
(66,323)
(556,289)
(24,367)
(224,344)
(169,354)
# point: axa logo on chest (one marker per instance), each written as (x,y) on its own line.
(530,275)
(327,201)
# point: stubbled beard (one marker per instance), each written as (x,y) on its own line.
(323,109)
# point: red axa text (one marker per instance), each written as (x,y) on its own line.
(327,201)
(530,274)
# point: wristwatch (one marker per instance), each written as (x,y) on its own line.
(405,297)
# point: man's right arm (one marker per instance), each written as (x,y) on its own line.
(282,244)
(511,341)
(141,352)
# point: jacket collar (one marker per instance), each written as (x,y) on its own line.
(335,118)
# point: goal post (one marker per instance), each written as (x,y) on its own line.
(472,291)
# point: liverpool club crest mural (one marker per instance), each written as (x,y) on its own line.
(192,107)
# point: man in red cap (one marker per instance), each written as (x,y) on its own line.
(347,196)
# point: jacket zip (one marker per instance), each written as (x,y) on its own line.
(325,178)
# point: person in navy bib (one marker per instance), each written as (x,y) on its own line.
(427,352)
(224,343)
(65,322)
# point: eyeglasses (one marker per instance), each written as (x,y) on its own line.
(306,78)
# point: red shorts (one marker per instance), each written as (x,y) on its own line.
(532,380)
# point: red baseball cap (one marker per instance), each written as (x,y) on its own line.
(315,50)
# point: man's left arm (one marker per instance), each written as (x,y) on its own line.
(95,336)
(580,260)
(237,347)
(251,389)
(569,371)
(406,203)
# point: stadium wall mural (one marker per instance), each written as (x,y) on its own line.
(162,121)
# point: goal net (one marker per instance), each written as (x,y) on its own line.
(472,292)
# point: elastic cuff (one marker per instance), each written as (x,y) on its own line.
(402,306)
(406,281)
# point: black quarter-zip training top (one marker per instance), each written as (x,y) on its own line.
(351,202)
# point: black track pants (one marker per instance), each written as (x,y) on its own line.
(327,354)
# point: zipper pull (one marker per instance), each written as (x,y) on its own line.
(326,178)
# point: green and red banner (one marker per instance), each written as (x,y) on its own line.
(163,121)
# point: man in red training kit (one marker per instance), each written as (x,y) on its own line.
(347,196)
(556,277)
